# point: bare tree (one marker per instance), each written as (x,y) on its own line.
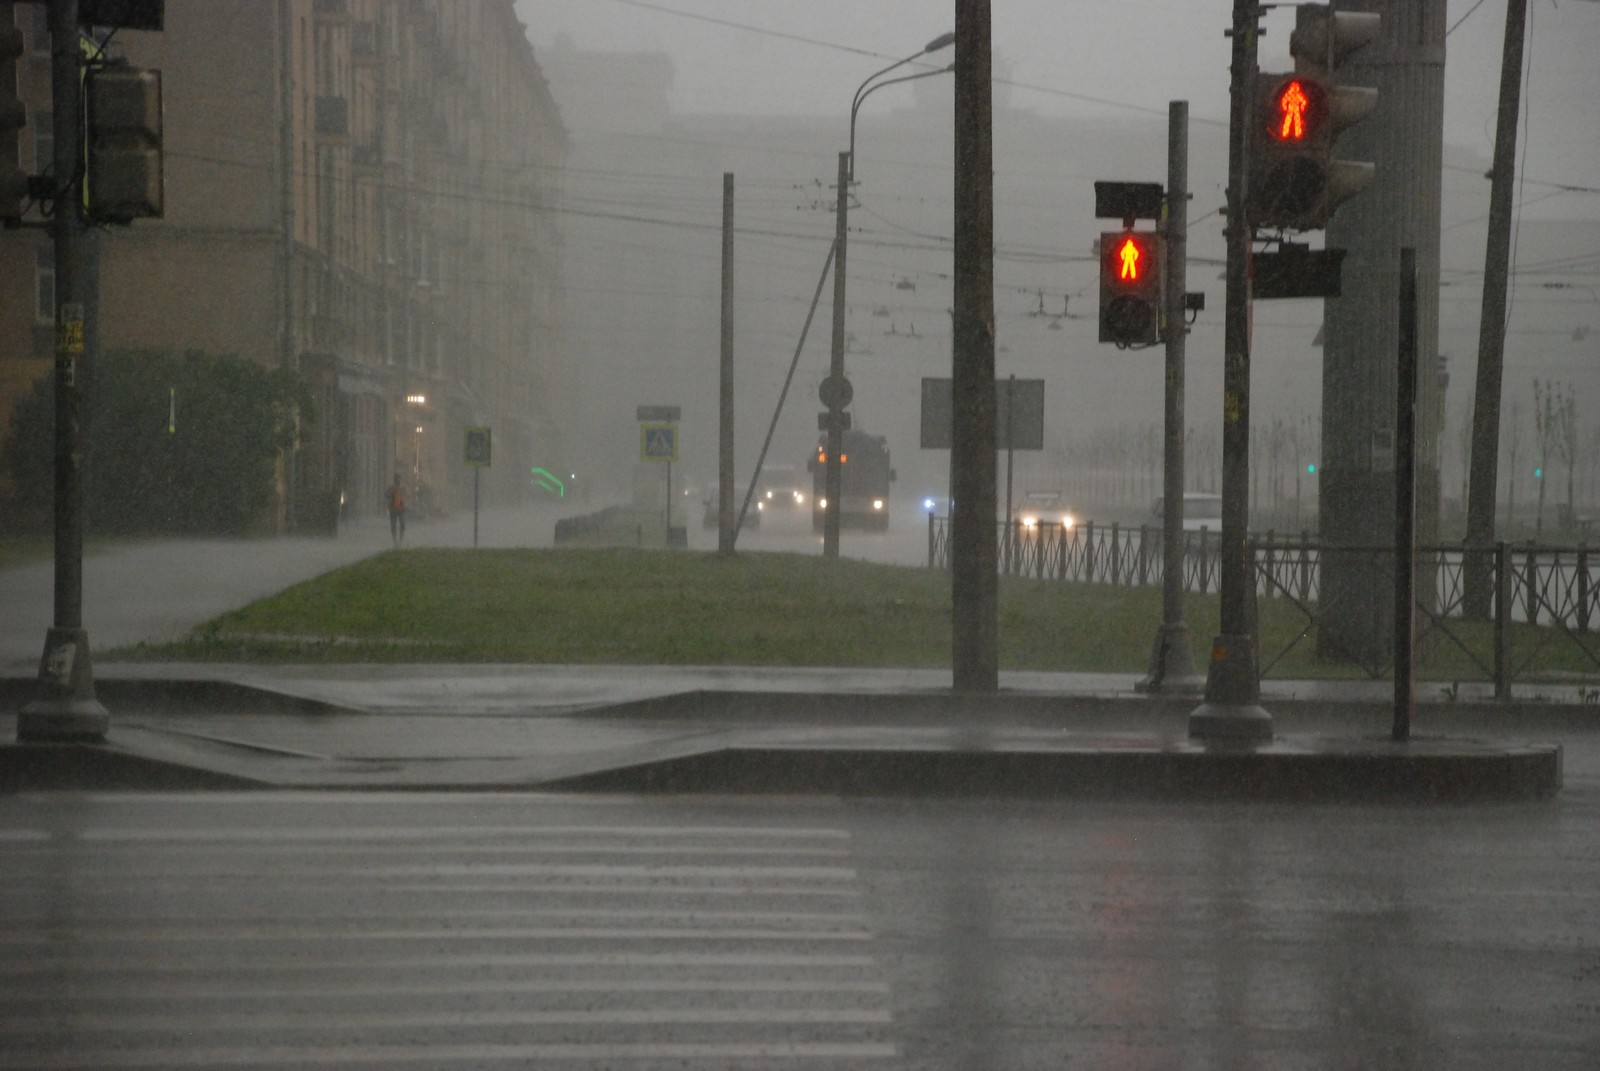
(1511,430)
(1565,441)
(1552,413)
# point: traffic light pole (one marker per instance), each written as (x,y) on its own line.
(1231,710)
(1172,669)
(65,707)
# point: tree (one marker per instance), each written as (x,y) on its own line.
(174,444)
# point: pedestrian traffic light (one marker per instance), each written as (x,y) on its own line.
(1131,270)
(13,117)
(124,179)
(1295,182)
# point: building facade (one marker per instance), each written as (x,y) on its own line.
(362,191)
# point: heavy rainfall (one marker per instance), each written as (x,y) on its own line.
(483,580)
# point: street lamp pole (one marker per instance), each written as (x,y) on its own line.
(837,394)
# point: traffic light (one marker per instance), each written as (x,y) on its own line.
(1131,269)
(13,117)
(1295,182)
(124,138)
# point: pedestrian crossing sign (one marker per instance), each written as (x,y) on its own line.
(658,442)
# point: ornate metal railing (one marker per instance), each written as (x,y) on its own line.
(1541,595)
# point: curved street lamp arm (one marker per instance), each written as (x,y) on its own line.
(863,96)
(944,40)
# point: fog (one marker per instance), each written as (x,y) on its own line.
(660,100)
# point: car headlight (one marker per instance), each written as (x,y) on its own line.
(877,503)
(1029,522)
(1067,521)
(799,499)
(822,503)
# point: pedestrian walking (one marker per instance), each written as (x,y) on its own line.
(397,511)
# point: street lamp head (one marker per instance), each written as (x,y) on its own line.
(944,40)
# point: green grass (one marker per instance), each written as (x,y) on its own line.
(678,608)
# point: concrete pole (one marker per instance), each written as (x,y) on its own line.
(1172,669)
(1484,471)
(973,536)
(65,707)
(727,521)
(1405,139)
(1231,711)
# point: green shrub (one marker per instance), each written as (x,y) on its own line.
(174,445)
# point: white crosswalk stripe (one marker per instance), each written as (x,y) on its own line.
(226,944)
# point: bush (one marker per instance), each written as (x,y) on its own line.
(212,473)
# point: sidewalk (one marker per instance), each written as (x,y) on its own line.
(707,729)
(698,728)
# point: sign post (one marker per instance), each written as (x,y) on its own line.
(658,441)
(477,455)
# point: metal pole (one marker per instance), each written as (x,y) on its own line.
(973,538)
(65,707)
(476,474)
(1231,711)
(1172,668)
(1405,504)
(831,473)
(727,530)
(1484,478)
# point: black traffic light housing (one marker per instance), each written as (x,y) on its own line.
(1295,183)
(1132,266)
(13,117)
(123,108)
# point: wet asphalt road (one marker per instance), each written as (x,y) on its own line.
(500,931)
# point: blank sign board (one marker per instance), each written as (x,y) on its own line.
(1018,414)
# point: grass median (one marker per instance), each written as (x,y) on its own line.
(595,606)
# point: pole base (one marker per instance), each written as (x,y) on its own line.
(1232,712)
(1172,670)
(64,707)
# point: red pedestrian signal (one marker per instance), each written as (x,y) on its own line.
(1295,182)
(1131,266)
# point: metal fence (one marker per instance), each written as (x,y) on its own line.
(1541,594)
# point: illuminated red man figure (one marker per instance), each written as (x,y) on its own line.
(1292,104)
(1129,254)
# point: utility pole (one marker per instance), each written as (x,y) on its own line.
(837,391)
(973,536)
(65,707)
(1484,478)
(1172,669)
(727,522)
(1231,710)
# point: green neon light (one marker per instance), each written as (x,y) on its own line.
(544,480)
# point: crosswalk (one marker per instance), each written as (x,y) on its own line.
(331,940)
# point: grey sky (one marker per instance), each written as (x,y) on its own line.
(1078,56)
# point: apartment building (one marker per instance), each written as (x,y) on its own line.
(362,191)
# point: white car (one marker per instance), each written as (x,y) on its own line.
(1201,510)
(1043,509)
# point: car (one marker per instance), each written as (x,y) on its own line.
(1042,509)
(1202,510)
(780,487)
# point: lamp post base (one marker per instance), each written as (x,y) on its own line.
(1232,712)
(65,708)
(1172,670)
